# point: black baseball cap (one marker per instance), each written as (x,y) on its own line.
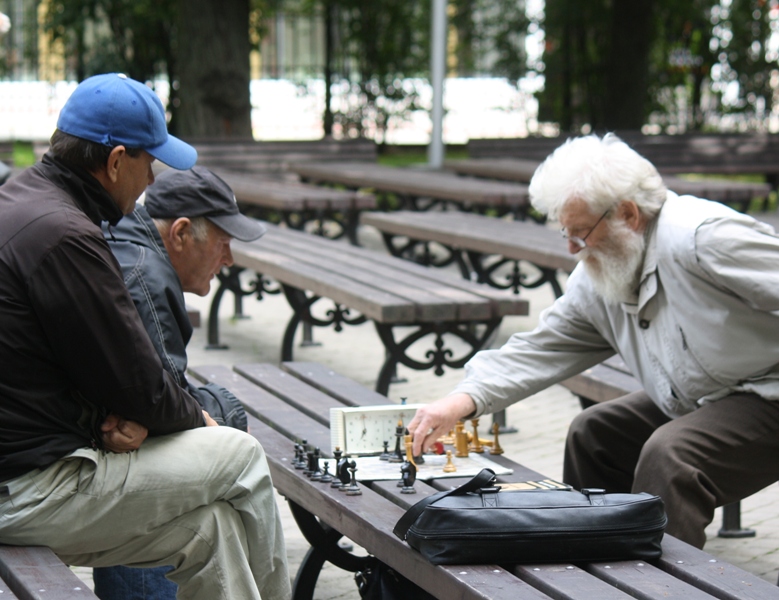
(198,192)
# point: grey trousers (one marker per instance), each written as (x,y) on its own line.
(200,500)
(718,454)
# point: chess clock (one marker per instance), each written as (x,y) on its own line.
(363,430)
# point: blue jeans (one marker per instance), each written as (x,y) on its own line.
(125,583)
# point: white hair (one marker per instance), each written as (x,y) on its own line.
(599,171)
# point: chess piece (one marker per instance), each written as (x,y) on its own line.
(496,449)
(408,477)
(448,439)
(326,476)
(298,462)
(476,442)
(342,473)
(309,470)
(316,472)
(353,489)
(336,483)
(449,466)
(385,454)
(397,455)
(460,440)
(409,444)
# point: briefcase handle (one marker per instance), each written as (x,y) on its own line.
(486,478)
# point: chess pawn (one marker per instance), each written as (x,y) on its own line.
(496,449)
(449,466)
(309,470)
(460,441)
(353,489)
(476,443)
(385,454)
(326,477)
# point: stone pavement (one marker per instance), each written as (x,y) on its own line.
(542,420)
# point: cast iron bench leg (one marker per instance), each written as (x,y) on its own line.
(731,523)
(324,548)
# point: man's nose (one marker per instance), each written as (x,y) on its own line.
(573,247)
(228,257)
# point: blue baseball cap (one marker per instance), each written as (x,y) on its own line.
(114,110)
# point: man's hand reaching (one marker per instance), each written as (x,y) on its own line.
(121,435)
(437,419)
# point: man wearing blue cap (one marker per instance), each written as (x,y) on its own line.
(103,456)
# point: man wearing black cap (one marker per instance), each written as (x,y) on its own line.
(175,242)
(103,457)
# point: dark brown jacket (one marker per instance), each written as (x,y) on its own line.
(72,346)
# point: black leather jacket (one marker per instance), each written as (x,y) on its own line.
(156,290)
(72,347)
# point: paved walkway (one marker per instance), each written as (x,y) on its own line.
(542,420)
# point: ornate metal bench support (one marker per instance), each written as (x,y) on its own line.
(324,548)
(439,357)
(517,279)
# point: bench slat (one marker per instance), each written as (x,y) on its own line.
(502,303)
(33,572)
(645,582)
(264,405)
(517,240)
(567,582)
(344,389)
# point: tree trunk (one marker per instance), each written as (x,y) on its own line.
(213,66)
(627,67)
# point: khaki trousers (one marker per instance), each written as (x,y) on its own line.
(718,454)
(200,500)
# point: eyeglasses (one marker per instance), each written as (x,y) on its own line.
(581,242)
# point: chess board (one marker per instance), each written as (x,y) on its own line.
(372,468)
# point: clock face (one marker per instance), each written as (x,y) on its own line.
(364,430)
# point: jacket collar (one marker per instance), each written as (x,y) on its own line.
(86,191)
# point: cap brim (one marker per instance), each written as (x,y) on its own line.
(175,153)
(239,226)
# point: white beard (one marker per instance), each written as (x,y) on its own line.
(615,268)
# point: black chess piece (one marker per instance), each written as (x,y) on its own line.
(316,474)
(309,470)
(342,473)
(397,454)
(385,454)
(296,460)
(326,476)
(408,477)
(353,489)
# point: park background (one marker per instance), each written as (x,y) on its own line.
(304,69)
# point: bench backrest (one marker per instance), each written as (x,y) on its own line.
(273,158)
(687,153)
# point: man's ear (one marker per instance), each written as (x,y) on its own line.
(179,234)
(114,163)
(628,211)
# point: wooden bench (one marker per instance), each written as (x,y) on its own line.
(612,379)
(411,306)
(275,157)
(419,189)
(737,193)
(480,246)
(35,572)
(291,404)
(335,213)
(707,153)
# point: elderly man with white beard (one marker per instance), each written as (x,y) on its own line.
(686,291)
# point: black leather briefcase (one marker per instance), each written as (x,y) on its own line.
(478,523)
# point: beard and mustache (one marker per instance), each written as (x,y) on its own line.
(615,266)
